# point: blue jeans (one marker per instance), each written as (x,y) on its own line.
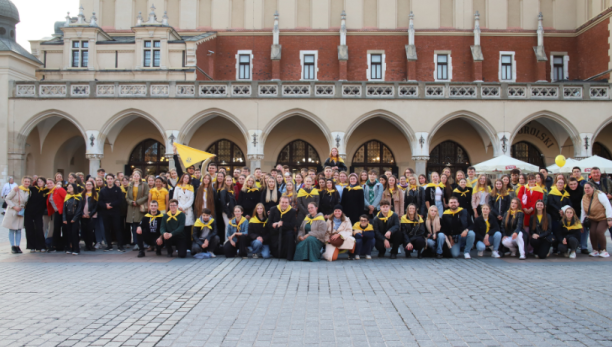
(259,248)
(440,207)
(467,242)
(437,244)
(15,237)
(99,230)
(364,243)
(584,239)
(495,241)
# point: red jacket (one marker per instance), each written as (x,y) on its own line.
(59,194)
(528,199)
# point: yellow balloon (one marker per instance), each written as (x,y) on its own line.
(560,160)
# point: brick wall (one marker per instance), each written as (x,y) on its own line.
(593,46)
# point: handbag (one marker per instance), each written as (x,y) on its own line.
(21,212)
(144,208)
(587,222)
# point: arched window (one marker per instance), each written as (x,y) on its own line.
(601,150)
(229,155)
(299,154)
(448,154)
(527,152)
(148,156)
(374,155)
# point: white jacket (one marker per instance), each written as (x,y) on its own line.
(185,202)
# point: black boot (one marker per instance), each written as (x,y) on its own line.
(18,249)
(13,249)
(393,256)
(141,253)
(408,254)
(158,251)
(420,254)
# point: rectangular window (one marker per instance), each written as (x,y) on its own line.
(376,66)
(506,67)
(244,67)
(442,67)
(558,68)
(152,54)
(309,67)
(80,55)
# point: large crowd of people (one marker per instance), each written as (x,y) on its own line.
(311,216)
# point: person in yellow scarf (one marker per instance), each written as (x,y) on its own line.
(365,237)
(73,208)
(456,225)
(173,230)
(334,161)
(577,174)
(148,230)
(282,222)
(305,196)
(236,235)
(387,229)
(311,237)
(413,230)
(14,219)
(569,233)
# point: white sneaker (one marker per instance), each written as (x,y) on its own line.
(467,256)
(537,256)
(495,254)
(212,255)
(68,252)
(604,254)
(75,253)
(356,257)
(368,257)
(594,254)
(480,253)
(513,254)
(255,256)
(97,246)
(572,255)
(135,248)
(522,257)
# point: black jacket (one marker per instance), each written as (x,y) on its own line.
(575,196)
(37,203)
(381,227)
(414,197)
(352,203)
(147,222)
(289,220)
(536,228)
(92,205)
(259,230)
(112,195)
(329,162)
(515,225)
(269,205)
(73,209)
(228,202)
(412,231)
(554,204)
(499,205)
(455,224)
(198,231)
(464,196)
(248,201)
(328,201)
(430,195)
(480,227)
(565,232)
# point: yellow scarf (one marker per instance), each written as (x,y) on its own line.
(576,226)
(384,219)
(303,193)
(357,226)
(151,217)
(89,194)
(40,189)
(579,178)
(342,184)
(488,224)
(188,187)
(357,187)
(237,226)
(27,190)
(283,212)
(486,189)
(500,196)
(535,189)
(76,197)
(413,187)
(287,195)
(200,224)
(336,159)
(123,189)
(405,220)
(170,216)
(252,190)
(255,220)
(449,211)
(309,220)
(50,192)
(555,191)
(518,187)
(472,182)
(439,185)
(330,191)
(463,194)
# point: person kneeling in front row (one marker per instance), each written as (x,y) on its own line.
(456,224)
(387,229)
(148,230)
(205,238)
(413,230)
(365,238)
(488,233)
(173,230)
(569,235)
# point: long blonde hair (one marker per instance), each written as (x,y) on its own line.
(274,195)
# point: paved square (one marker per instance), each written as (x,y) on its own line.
(113,299)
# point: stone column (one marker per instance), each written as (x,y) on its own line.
(275,53)
(255,161)
(586,148)
(420,165)
(94,163)
(171,163)
(16,164)
(411,54)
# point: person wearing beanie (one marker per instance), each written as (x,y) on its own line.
(339,234)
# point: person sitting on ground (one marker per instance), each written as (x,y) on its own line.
(387,229)
(413,229)
(488,232)
(569,234)
(311,237)
(173,230)
(205,237)
(148,230)
(339,235)
(365,238)
(456,224)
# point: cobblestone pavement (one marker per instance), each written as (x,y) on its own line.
(114,299)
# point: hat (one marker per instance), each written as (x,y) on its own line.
(338,207)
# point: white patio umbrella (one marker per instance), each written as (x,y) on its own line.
(567,168)
(595,161)
(504,163)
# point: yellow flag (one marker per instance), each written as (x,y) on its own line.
(190,156)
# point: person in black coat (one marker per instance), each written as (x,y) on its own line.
(414,195)
(328,198)
(499,200)
(71,216)
(90,208)
(456,224)
(148,230)
(109,202)
(270,196)
(512,226)
(334,160)
(33,215)
(205,235)
(569,233)
(540,226)
(413,229)
(463,193)
(281,226)
(488,232)
(557,198)
(259,235)
(387,230)
(352,199)
(249,196)
(228,199)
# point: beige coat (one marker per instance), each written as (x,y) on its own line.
(133,212)
(11,219)
(346,230)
